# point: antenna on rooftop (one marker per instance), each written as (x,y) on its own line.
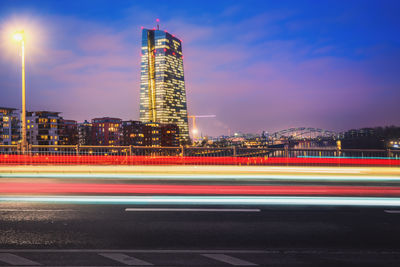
(158,26)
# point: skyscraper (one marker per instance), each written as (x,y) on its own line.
(162,86)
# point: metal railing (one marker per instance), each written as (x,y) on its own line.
(131,155)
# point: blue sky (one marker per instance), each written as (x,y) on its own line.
(257,65)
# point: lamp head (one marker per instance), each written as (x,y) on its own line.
(19,36)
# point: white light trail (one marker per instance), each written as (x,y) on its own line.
(209,200)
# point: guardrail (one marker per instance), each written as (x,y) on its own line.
(134,155)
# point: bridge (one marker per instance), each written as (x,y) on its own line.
(303,133)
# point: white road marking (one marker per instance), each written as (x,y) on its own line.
(16,260)
(229,259)
(125,259)
(392,211)
(195,210)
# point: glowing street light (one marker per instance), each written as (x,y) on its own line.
(19,36)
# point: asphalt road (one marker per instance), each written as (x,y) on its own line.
(79,235)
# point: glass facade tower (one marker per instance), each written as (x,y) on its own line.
(162,85)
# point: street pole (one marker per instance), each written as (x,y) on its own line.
(20,37)
(23,116)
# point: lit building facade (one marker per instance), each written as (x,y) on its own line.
(132,132)
(162,86)
(43,127)
(169,135)
(68,131)
(9,126)
(151,134)
(85,133)
(106,131)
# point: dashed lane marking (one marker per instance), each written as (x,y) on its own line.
(193,210)
(229,259)
(125,259)
(392,211)
(16,260)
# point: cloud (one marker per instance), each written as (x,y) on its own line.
(85,74)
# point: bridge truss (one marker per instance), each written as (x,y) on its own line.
(303,133)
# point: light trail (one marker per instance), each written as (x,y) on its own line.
(92,188)
(208,200)
(177,160)
(165,169)
(217,177)
(343,157)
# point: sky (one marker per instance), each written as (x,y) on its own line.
(256,65)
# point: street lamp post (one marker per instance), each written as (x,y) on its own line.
(19,36)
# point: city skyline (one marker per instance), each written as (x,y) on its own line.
(267,68)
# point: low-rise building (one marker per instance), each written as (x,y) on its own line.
(9,126)
(151,134)
(85,133)
(68,132)
(365,138)
(43,127)
(169,135)
(106,131)
(132,133)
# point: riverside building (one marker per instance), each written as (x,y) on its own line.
(9,126)
(106,131)
(162,86)
(43,127)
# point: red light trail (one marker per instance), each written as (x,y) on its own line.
(176,160)
(273,190)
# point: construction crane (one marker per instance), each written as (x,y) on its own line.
(193,117)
